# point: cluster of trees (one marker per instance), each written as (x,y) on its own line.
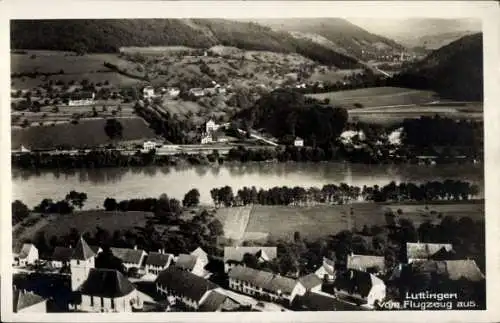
(113,128)
(67,205)
(343,193)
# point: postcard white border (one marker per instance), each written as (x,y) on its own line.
(487,11)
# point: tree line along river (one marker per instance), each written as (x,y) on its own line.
(128,183)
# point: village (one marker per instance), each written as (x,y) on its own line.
(192,282)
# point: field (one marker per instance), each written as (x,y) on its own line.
(318,221)
(87,133)
(90,67)
(377,97)
(84,221)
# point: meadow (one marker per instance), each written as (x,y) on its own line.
(87,133)
(314,222)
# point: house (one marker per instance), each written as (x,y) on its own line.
(451,269)
(149,145)
(24,149)
(206,138)
(264,284)
(417,251)
(201,254)
(311,282)
(28,255)
(81,98)
(359,287)
(327,270)
(61,257)
(131,258)
(158,261)
(107,290)
(368,263)
(148,92)
(81,262)
(234,255)
(28,302)
(197,92)
(211,126)
(173,92)
(298,142)
(192,264)
(184,287)
(218,302)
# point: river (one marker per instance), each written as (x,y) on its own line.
(125,183)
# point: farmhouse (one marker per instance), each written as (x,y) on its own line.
(234,255)
(298,142)
(416,251)
(371,264)
(107,290)
(158,261)
(81,98)
(327,270)
(28,255)
(192,264)
(132,258)
(360,287)
(264,284)
(150,145)
(28,302)
(218,302)
(61,257)
(184,287)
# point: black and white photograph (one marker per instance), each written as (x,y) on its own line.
(256,164)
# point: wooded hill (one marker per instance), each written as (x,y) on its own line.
(104,35)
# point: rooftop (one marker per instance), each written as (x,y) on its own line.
(108,283)
(263,279)
(185,261)
(310,281)
(184,283)
(365,262)
(418,250)
(237,253)
(158,259)
(357,282)
(23,299)
(129,256)
(25,250)
(82,250)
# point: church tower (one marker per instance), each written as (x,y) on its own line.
(81,262)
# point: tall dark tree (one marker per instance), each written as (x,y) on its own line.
(113,129)
(19,211)
(192,198)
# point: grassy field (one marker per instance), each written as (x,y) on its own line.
(58,225)
(88,132)
(318,221)
(377,97)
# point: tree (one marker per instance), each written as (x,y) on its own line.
(192,198)
(110,204)
(77,199)
(113,128)
(19,211)
(216,228)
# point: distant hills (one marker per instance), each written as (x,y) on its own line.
(339,33)
(455,71)
(435,41)
(105,35)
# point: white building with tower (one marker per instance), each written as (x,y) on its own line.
(82,261)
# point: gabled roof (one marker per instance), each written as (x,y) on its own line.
(62,254)
(417,250)
(82,250)
(452,269)
(106,283)
(25,250)
(364,262)
(212,302)
(184,283)
(357,282)
(158,259)
(200,253)
(128,256)
(328,265)
(443,254)
(186,261)
(265,280)
(23,299)
(236,253)
(317,302)
(310,281)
